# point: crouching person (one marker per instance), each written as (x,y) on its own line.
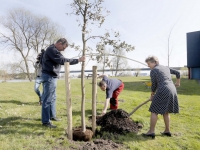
(113,88)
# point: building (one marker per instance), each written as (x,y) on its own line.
(193,55)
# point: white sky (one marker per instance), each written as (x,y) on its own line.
(145,24)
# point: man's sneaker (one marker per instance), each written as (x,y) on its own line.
(55,119)
(49,125)
(40,101)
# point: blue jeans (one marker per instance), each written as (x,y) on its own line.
(38,81)
(48,98)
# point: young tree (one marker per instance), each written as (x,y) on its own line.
(91,13)
(26,34)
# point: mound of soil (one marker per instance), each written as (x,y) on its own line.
(118,121)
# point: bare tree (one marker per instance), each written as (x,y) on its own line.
(9,70)
(169,50)
(26,34)
(119,63)
(169,47)
(137,72)
(104,63)
(92,13)
(4,71)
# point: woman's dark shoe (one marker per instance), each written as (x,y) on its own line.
(152,135)
(166,133)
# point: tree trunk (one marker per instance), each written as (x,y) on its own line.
(83,97)
(117,66)
(27,69)
(103,63)
(82,73)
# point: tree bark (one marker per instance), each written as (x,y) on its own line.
(83,72)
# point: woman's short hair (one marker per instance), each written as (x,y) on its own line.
(102,83)
(152,59)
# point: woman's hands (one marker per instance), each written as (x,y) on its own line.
(177,84)
(152,95)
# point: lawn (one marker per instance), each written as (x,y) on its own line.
(20,116)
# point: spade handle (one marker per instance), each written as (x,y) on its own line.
(139,107)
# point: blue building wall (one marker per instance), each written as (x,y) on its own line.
(193,54)
(195,73)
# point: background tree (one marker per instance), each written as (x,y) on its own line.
(26,34)
(105,60)
(169,49)
(92,13)
(4,72)
(169,43)
(8,71)
(137,71)
(119,63)
(104,63)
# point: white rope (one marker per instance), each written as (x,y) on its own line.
(96,54)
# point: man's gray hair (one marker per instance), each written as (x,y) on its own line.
(102,83)
(152,59)
(63,41)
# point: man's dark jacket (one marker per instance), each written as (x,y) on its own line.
(52,61)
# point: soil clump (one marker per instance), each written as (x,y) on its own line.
(118,121)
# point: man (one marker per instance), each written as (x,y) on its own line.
(38,80)
(113,88)
(51,65)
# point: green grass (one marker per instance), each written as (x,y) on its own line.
(20,116)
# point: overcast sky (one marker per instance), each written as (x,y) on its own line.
(145,24)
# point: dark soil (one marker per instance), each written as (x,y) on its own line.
(118,121)
(78,135)
(98,144)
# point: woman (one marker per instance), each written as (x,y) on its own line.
(163,96)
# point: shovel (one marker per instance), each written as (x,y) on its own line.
(138,107)
(133,109)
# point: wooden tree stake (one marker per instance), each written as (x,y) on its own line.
(94,97)
(68,101)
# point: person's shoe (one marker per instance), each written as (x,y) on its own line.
(152,135)
(49,125)
(55,119)
(40,101)
(166,133)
